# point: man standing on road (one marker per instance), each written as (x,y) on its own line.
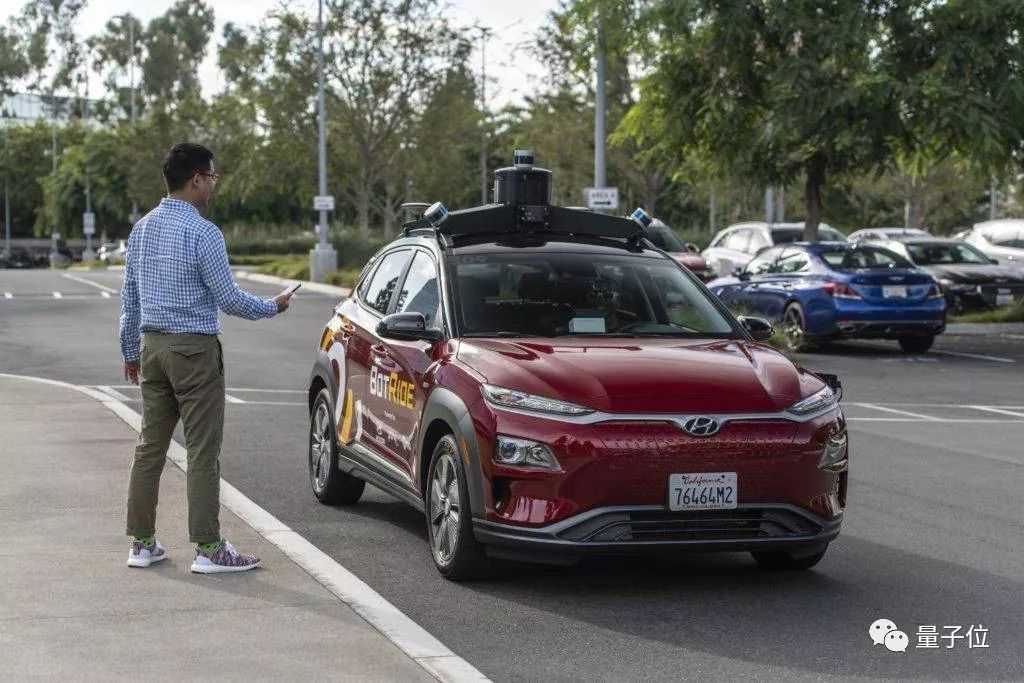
(176,277)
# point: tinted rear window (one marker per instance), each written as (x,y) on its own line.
(863,257)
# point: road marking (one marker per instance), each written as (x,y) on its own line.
(231,399)
(104,288)
(8,295)
(875,406)
(932,420)
(411,638)
(58,295)
(997,359)
(269,391)
(113,393)
(1000,411)
(105,295)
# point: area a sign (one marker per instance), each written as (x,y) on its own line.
(598,198)
(323,202)
(89,223)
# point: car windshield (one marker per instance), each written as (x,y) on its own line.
(784,235)
(553,293)
(863,257)
(925,254)
(665,238)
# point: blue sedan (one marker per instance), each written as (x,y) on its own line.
(838,290)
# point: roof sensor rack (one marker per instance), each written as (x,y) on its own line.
(522,205)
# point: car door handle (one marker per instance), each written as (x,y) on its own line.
(381,356)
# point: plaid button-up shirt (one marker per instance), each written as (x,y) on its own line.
(176,276)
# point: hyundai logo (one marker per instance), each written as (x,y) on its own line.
(701,426)
(895,278)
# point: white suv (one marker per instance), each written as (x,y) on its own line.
(1002,240)
(734,246)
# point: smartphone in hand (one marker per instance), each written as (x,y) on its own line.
(294,288)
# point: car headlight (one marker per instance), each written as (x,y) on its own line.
(834,456)
(510,398)
(819,400)
(524,453)
(956,286)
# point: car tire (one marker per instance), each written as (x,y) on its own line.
(783,560)
(794,329)
(917,344)
(457,554)
(330,485)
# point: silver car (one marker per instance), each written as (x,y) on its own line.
(734,246)
(1002,240)
(884,234)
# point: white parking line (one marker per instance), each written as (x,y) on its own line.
(423,648)
(104,288)
(231,399)
(979,356)
(58,295)
(105,295)
(8,295)
(113,393)
(952,420)
(1000,411)
(875,406)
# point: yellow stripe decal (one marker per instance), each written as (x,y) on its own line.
(346,424)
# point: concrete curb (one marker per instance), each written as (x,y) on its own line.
(985,328)
(306,284)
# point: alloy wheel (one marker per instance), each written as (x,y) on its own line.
(444,507)
(320,448)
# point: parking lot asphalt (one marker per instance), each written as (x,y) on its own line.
(932,535)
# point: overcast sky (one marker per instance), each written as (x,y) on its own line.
(509,73)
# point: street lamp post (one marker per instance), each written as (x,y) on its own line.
(134,218)
(484,34)
(600,179)
(7,200)
(323,259)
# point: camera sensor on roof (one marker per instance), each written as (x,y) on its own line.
(522,159)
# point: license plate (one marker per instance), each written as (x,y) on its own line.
(1004,297)
(894,291)
(702,491)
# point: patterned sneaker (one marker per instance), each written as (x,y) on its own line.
(223,559)
(142,555)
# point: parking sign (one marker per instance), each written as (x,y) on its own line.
(601,197)
(89,223)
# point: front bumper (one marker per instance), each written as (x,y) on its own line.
(652,528)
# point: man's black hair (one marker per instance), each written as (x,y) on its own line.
(184,161)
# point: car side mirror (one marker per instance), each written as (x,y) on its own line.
(994,261)
(740,273)
(407,327)
(692,248)
(758,328)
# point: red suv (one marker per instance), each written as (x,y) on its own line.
(543,383)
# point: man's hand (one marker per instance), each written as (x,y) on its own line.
(282,301)
(131,372)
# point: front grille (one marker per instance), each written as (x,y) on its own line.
(704,525)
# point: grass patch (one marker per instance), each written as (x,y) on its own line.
(1004,314)
(297,268)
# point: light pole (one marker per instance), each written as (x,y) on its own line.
(134,217)
(323,259)
(484,34)
(7,198)
(88,218)
(600,179)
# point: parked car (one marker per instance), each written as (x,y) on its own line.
(734,246)
(969,279)
(686,254)
(1002,240)
(882,234)
(20,258)
(542,384)
(110,252)
(838,290)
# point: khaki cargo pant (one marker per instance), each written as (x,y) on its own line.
(182,376)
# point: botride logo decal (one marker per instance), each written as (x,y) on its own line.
(393,390)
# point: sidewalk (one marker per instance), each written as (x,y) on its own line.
(71,608)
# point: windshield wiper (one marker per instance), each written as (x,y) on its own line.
(505,334)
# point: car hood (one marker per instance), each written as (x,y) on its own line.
(976,273)
(648,375)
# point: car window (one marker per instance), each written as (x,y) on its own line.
(385,279)
(762,263)
(419,291)
(738,240)
(830,235)
(792,261)
(927,254)
(757,242)
(554,293)
(863,256)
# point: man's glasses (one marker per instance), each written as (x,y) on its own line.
(213,176)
